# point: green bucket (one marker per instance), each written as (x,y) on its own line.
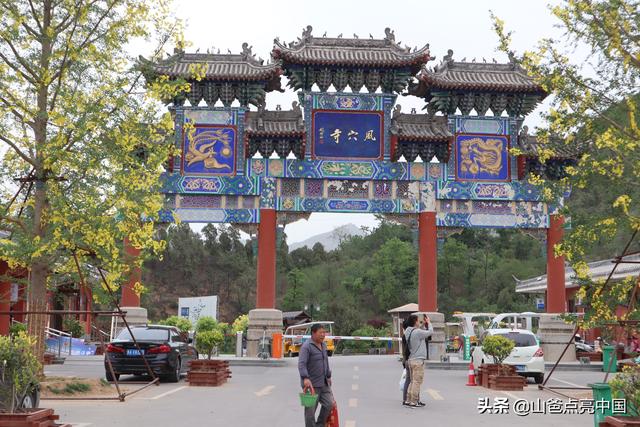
(308,400)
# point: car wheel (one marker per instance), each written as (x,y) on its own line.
(31,400)
(289,353)
(329,353)
(110,377)
(539,378)
(174,377)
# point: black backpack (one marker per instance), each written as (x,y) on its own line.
(406,352)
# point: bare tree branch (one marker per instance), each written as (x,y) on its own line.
(18,151)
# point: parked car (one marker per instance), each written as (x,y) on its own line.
(166,349)
(526,357)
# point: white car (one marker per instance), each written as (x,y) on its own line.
(526,356)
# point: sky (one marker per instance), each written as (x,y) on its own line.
(461,25)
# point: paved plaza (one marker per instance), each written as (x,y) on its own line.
(365,387)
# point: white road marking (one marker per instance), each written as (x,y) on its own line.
(167,393)
(355,387)
(353,403)
(356,377)
(265,391)
(511,395)
(355,368)
(350,423)
(81,424)
(567,382)
(434,394)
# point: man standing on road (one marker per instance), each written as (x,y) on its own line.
(417,342)
(315,375)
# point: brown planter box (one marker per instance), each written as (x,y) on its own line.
(486,370)
(510,382)
(620,422)
(208,373)
(48,358)
(33,418)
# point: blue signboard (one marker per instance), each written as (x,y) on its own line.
(347,134)
(482,157)
(209,150)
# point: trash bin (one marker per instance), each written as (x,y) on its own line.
(608,353)
(601,391)
(277,346)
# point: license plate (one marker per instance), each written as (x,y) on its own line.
(520,368)
(134,352)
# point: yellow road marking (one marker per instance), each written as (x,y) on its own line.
(355,387)
(353,403)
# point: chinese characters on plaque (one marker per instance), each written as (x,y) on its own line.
(347,134)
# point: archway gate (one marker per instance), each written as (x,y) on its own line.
(353,151)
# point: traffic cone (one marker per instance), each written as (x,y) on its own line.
(472,376)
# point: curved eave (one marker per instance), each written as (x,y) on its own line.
(430,84)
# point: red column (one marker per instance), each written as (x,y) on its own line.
(129,298)
(266,290)
(556,296)
(5,300)
(427,262)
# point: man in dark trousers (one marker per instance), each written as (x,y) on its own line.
(315,375)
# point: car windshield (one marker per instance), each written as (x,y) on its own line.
(144,334)
(521,340)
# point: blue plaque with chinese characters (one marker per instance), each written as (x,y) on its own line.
(347,134)
(482,157)
(209,150)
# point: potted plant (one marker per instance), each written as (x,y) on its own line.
(626,385)
(500,376)
(208,372)
(19,385)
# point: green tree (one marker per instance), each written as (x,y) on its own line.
(83,137)
(594,100)
(393,273)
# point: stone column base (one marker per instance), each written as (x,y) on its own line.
(554,334)
(262,321)
(437,343)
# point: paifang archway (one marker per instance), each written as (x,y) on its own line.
(347,146)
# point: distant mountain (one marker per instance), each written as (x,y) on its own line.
(331,239)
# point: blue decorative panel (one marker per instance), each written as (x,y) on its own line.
(491,220)
(487,191)
(217,215)
(485,125)
(310,204)
(482,157)
(236,185)
(210,150)
(347,134)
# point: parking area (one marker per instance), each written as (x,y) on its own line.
(365,387)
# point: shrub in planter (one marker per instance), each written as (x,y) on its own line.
(626,385)
(499,348)
(209,335)
(19,369)
(183,324)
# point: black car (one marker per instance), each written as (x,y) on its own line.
(167,350)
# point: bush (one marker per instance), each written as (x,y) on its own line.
(183,324)
(241,324)
(209,335)
(498,347)
(16,328)
(19,369)
(207,341)
(626,385)
(73,327)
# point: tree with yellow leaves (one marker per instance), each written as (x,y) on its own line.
(595,99)
(83,140)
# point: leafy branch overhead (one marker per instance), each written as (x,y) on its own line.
(592,74)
